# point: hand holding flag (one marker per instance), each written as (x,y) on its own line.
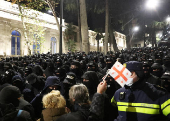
(119,73)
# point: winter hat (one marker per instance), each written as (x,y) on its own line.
(135,66)
(166,75)
(70,78)
(9,94)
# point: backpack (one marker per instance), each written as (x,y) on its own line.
(18,115)
(13,115)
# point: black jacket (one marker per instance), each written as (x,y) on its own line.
(81,113)
(10,113)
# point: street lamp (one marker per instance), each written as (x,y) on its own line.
(135,29)
(152,4)
(168,19)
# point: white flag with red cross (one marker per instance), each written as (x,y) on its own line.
(119,73)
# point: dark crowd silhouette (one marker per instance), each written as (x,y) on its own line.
(69,87)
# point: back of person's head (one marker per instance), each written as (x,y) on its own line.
(79,93)
(10,94)
(54,100)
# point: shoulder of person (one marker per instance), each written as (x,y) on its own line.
(155,90)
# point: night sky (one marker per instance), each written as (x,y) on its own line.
(98,20)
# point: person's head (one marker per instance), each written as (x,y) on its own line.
(166,61)
(52,83)
(60,72)
(157,69)
(166,80)
(79,93)
(136,68)
(54,100)
(75,67)
(70,79)
(28,70)
(90,79)
(10,94)
(146,69)
(109,63)
(58,62)
(91,66)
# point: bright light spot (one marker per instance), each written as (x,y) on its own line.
(49,11)
(168,19)
(152,4)
(25,52)
(136,28)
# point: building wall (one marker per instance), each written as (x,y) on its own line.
(10,21)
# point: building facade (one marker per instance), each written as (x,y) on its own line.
(13,43)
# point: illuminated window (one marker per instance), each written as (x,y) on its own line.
(15,43)
(53,45)
(36,44)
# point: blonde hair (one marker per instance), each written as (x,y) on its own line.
(54,100)
(79,93)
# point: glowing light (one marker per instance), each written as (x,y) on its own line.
(136,28)
(168,19)
(49,11)
(151,4)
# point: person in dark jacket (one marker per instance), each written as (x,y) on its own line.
(68,82)
(10,113)
(166,63)
(109,64)
(139,100)
(52,83)
(12,94)
(79,97)
(18,81)
(157,69)
(92,66)
(75,67)
(91,80)
(38,70)
(49,71)
(97,105)
(166,80)
(148,76)
(35,83)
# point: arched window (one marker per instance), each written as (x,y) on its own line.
(53,45)
(15,43)
(36,45)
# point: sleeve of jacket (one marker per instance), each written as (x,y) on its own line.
(165,105)
(97,108)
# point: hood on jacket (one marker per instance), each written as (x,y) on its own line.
(51,81)
(38,70)
(35,81)
(10,94)
(18,82)
(93,80)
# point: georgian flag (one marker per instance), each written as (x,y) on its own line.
(119,73)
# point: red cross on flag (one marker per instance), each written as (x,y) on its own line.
(119,73)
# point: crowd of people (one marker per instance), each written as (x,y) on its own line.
(70,87)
